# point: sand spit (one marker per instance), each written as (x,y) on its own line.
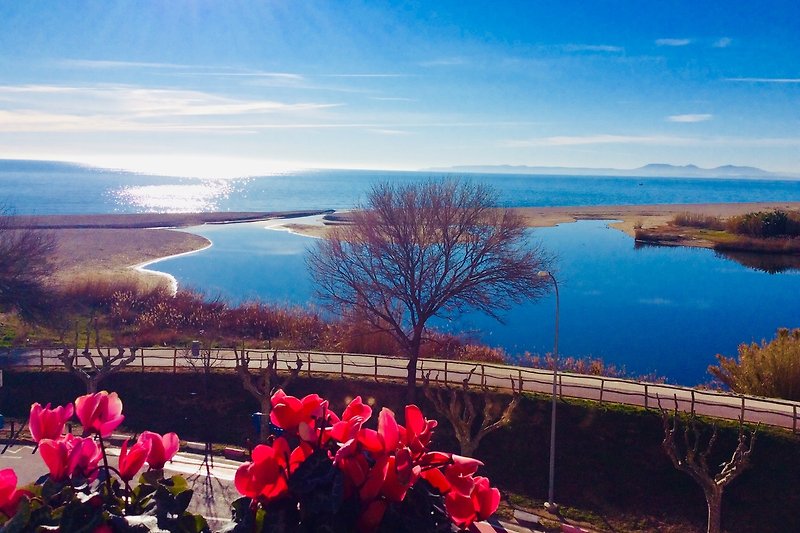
(116,246)
(630,216)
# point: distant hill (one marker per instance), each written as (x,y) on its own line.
(653,170)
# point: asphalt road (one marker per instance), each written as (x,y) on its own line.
(774,412)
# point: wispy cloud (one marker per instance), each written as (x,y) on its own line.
(722,42)
(444,62)
(106,64)
(593,48)
(131,108)
(393,99)
(673,42)
(367,75)
(692,117)
(765,80)
(655,140)
(384,131)
(579,140)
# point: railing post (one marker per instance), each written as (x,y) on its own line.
(41,359)
(560,386)
(645,397)
(445,372)
(519,373)
(308,364)
(341,365)
(794,419)
(602,386)
(742,408)
(692,402)
(376,369)
(174,360)
(483,376)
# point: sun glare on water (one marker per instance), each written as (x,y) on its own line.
(176,198)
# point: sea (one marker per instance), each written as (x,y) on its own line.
(658,311)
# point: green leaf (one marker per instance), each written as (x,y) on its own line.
(21,519)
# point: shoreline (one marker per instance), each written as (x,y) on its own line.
(91,246)
(172,280)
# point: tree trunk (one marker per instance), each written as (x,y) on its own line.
(266,408)
(714,499)
(411,380)
(468,447)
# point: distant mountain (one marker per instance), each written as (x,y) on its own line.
(653,170)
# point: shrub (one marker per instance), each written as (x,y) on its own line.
(769,369)
(698,220)
(764,224)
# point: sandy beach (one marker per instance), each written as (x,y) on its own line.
(112,245)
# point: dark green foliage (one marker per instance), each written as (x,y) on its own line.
(421,510)
(765,224)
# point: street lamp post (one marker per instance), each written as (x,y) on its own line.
(551,504)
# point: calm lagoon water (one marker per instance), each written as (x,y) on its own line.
(653,309)
(662,310)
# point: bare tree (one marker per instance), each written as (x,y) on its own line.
(26,262)
(690,457)
(417,251)
(470,421)
(264,383)
(98,365)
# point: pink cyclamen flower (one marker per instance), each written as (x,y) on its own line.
(162,448)
(295,415)
(10,496)
(47,423)
(265,476)
(132,459)
(70,456)
(100,412)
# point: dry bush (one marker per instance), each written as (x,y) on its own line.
(768,369)
(590,366)
(698,220)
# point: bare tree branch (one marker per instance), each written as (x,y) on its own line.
(262,383)
(460,408)
(423,250)
(693,460)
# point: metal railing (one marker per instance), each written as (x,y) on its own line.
(751,409)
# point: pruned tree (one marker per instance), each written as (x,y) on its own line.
(26,263)
(93,367)
(691,456)
(417,251)
(471,421)
(264,381)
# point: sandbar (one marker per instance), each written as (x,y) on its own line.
(629,216)
(112,246)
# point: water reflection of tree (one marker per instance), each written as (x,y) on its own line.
(770,263)
(764,262)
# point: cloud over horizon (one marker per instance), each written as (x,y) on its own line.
(696,117)
(673,42)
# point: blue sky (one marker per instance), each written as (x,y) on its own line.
(237,87)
